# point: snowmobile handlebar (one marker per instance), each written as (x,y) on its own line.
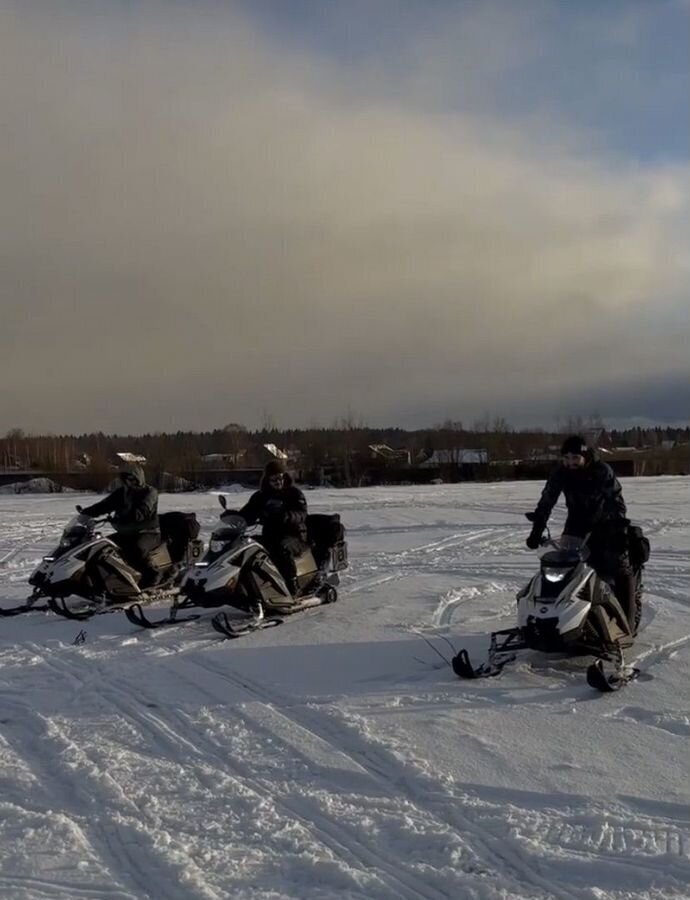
(95,521)
(547,539)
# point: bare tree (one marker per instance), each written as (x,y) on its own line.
(268,422)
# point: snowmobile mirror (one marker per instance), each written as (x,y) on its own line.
(223,502)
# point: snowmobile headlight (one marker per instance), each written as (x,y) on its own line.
(48,559)
(555,575)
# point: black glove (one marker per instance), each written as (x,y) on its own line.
(535,535)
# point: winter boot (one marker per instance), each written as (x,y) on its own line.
(626,592)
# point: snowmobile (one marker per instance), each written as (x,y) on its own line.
(568,608)
(238,572)
(90,566)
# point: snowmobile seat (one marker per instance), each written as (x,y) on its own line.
(178,530)
(327,538)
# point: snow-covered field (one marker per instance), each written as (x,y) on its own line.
(337,755)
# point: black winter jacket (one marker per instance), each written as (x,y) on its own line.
(282,513)
(135,509)
(593,496)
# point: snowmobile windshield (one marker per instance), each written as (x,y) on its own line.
(76,531)
(565,552)
(559,561)
(231,526)
(230,530)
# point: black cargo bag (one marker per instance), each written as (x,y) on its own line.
(638,546)
(326,532)
(177,530)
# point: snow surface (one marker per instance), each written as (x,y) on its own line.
(337,755)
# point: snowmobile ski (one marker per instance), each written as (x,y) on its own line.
(136,616)
(500,654)
(463,667)
(608,678)
(80,614)
(31,605)
(100,607)
(229,629)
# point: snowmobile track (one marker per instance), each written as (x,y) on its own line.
(494,852)
(120,850)
(496,847)
(185,737)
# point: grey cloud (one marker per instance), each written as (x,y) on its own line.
(198,225)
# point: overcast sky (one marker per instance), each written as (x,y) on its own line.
(398,210)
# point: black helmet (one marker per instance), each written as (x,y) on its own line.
(274,467)
(575,444)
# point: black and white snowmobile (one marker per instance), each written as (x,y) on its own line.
(567,608)
(238,572)
(88,565)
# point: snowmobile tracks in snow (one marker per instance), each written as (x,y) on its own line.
(364,770)
(212,775)
(483,825)
(476,851)
(62,781)
(245,764)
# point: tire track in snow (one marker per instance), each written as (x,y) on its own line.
(327,830)
(111,833)
(342,840)
(499,840)
(618,839)
(184,739)
(660,652)
(63,788)
(410,556)
(494,851)
(457,539)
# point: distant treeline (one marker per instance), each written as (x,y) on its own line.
(345,447)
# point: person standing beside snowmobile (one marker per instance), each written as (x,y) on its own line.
(134,508)
(594,500)
(281,508)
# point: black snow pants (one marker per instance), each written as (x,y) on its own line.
(284,552)
(136,551)
(610,559)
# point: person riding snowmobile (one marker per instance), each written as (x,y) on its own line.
(134,508)
(594,500)
(281,508)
